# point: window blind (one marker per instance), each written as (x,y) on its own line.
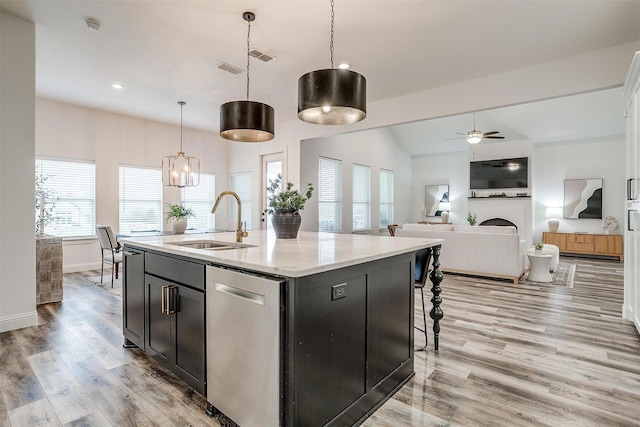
(361,197)
(329,195)
(386,198)
(201,199)
(241,184)
(73,184)
(140,202)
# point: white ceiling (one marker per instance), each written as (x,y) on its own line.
(166,51)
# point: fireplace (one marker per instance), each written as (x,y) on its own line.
(498,221)
(516,211)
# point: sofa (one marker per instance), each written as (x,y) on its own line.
(489,251)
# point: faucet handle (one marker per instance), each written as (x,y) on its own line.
(244,229)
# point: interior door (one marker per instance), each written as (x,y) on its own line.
(272,166)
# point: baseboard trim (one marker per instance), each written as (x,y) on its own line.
(18,321)
(73,268)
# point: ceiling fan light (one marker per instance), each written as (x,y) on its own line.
(247,121)
(332,97)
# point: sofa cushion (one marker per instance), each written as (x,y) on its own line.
(494,229)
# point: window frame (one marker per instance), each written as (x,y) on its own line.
(336,200)
(85,181)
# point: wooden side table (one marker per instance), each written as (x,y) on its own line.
(539,268)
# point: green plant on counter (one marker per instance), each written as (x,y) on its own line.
(471,218)
(288,200)
(538,246)
(178,211)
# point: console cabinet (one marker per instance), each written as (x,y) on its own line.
(586,244)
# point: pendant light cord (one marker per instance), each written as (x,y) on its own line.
(181,105)
(331,43)
(248,56)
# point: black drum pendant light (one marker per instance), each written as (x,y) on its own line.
(247,121)
(332,96)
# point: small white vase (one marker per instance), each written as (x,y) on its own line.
(179,225)
(606,231)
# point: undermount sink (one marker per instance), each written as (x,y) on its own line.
(212,245)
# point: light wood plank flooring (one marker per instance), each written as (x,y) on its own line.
(510,355)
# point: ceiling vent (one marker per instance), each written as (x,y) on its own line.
(262,56)
(229,68)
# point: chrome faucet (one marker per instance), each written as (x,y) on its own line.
(240,233)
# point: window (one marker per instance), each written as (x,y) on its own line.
(272,165)
(201,199)
(241,184)
(140,204)
(329,195)
(73,183)
(361,197)
(386,198)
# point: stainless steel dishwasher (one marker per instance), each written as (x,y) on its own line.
(243,346)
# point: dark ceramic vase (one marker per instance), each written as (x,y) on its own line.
(286,224)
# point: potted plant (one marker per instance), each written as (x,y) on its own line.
(538,248)
(471,218)
(177,215)
(285,206)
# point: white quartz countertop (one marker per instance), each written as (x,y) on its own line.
(310,253)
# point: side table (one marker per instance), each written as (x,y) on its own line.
(539,268)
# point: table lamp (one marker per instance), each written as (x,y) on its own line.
(444,207)
(553,214)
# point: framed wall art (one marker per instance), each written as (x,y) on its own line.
(433,195)
(583,198)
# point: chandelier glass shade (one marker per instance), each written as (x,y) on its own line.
(180,170)
(247,121)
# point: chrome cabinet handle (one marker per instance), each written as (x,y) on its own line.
(164,300)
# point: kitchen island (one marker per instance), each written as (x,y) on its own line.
(316,330)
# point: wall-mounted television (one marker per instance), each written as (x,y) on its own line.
(500,173)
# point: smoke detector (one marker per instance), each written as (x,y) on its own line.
(92,23)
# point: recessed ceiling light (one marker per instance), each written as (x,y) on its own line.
(117,86)
(343,66)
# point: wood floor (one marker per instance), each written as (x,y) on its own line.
(510,355)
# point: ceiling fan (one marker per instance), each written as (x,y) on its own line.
(475,136)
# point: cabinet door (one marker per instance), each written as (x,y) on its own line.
(557,239)
(390,317)
(189,337)
(133,297)
(580,242)
(158,324)
(330,368)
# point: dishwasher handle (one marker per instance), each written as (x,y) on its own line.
(239,293)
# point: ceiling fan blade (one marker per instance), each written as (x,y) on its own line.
(490,133)
(493,137)
(463,134)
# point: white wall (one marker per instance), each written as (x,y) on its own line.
(446,168)
(374,148)
(550,164)
(588,72)
(602,158)
(74,132)
(17,174)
